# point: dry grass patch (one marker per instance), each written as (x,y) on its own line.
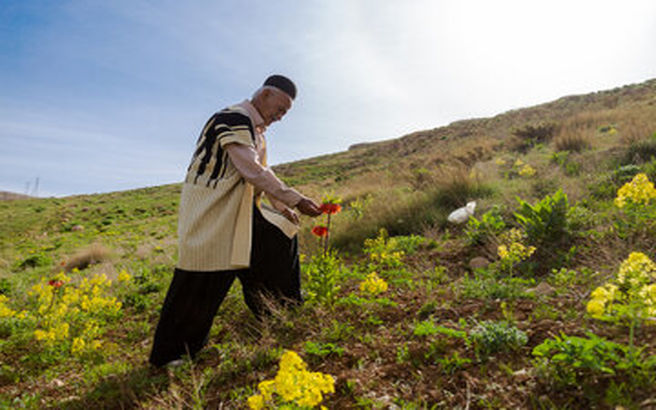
(91,255)
(573,141)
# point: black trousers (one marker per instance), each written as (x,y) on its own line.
(193,298)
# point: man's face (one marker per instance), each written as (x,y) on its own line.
(275,105)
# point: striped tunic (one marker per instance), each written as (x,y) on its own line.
(216,204)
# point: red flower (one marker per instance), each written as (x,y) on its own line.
(320,231)
(55,283)
(331,209)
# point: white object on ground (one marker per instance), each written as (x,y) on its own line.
(461,215)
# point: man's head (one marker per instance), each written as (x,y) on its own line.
(274,98)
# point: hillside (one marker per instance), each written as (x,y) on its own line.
(546,298)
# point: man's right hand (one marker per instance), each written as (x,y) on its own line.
(308,207)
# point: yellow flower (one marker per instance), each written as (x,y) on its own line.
(639,191)
(256,402)
(500,161)
(518,163)
(600,294)
(595,308)
(78,346)
(294,384)
(527,171)
(124,276)
(502,250)
(636,270)
(267,388)
(5,311)
(373,284)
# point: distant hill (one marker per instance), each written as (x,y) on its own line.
(9,196)
(471,140)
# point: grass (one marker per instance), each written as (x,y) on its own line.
(367,342)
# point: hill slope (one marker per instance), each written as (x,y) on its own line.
(541,301)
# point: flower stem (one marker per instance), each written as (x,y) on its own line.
(325,241)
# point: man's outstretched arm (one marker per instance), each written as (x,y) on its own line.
(244,159)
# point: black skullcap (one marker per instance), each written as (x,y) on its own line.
(282,83)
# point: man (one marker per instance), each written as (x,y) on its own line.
(222,233)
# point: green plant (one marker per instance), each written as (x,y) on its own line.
(512,251)
(402,353)
(625,173)
(486,285)
(545,223)
(323,274)
(629,298)
(409,244)
(429,328)
(490,224)
(492,337)
(640,151)
(322,349)
(453,363)
(338,331)
(637,208)
(574,361)
(34,260)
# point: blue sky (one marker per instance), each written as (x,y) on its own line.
(98,96)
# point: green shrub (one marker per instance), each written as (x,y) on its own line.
(409,244)
(34,261)
(492,337)
(583,362)
(532,134)
(490,224)
(624,174)
(545,222)
(429,328)
(323,273)
(640,151)
(322,349)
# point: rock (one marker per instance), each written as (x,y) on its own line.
(77,228)
(543,289)
(461,215)
(478,263)
(57,383)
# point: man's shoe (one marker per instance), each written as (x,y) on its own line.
(174,363)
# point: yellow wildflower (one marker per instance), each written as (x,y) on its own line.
(294,384)
(373,284)
(5,311)
(527,171)
(639,191)
(595,307)
(78,346)
(256,402)
(124,276)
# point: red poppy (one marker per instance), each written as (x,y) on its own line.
(55,283)
(320,231)
(331,209)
